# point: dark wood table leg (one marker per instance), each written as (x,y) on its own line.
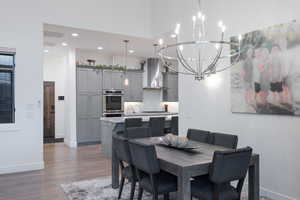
(253,184)
(115,170)
(183,185)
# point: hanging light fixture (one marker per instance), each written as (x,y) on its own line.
(126,80)
(198,63)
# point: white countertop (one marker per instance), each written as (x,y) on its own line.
(144,116)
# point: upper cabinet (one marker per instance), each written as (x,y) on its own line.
(170,89)
(113,79)
(134,90)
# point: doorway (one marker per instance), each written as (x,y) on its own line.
(49,111)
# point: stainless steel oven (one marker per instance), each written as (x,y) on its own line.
(113,103)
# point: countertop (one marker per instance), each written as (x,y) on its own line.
(144,116)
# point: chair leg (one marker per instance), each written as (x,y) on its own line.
(166,196)
(155,196)
(140,195)
(121,187)
(132,189)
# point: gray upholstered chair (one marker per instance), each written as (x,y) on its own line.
(137,132)
(121,148)
(133,122)
(225,140)
(174,125)
(199,135)
(157,126)
(150,177)
(227,166)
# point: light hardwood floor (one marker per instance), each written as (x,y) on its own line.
(62,165)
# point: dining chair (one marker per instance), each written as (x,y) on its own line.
(133,122)
(227,166)
(150,177)
(121,148)
(137,132)
(157,126)
(199,135)
(225,140)
(174,125)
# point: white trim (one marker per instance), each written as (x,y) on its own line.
(9,128)
(7,49)
(22,168)
(274,195)
(59,135)
(264,192)
(71,144)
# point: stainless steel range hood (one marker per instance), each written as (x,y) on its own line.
(154,79)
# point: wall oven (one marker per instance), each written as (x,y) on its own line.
(113,103)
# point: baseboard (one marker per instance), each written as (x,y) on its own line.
(58,136)
(274,195)
(22,168)
(71,144)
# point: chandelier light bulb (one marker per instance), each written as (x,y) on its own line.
(181,48)
(217,46)
(194,18)
(220,24)
(203,18)
(177,29)
(160,41)
(173,35)
(199,15)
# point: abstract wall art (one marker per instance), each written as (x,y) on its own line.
(266,80)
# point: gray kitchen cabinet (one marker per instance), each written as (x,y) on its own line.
(134,91)
(113,79)
(170,87)
(89,105)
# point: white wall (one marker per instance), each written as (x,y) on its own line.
(21,145)
(206,105)
(70,101)
(55,66)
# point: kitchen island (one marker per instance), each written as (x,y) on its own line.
(112,125)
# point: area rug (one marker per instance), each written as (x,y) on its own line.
(100,189)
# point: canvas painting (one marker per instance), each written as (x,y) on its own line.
(266,76)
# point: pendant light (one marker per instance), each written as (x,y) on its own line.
(126,80)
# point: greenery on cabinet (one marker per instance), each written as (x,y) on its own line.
(111,67)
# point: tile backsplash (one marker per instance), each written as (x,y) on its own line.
(138,107)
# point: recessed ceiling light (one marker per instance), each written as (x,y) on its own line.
(46,51)
(99,48)
(75,34)
(131,51)
(64,44)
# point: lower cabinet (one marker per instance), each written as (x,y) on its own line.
(134,91)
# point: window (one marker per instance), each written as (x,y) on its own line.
(7,68)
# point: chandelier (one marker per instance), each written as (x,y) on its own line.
(204,55)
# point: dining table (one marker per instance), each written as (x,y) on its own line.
(186,164)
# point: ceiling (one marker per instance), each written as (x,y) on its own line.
(112,44)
